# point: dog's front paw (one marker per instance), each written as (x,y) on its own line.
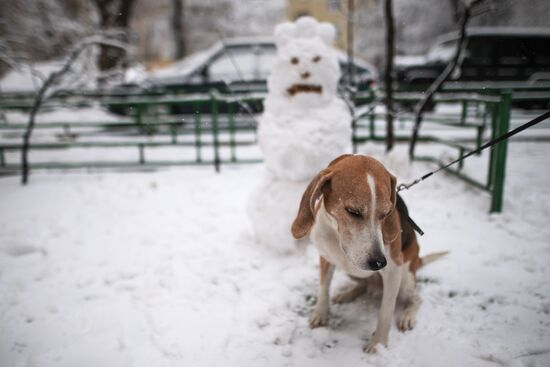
(370,346)
(318,318)
(407,320)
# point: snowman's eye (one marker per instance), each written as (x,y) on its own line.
(317,58)
(294,60)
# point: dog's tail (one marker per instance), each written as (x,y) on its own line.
(425,260)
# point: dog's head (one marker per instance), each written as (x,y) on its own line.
(359,197)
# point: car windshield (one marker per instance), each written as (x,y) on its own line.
(186,65)
(243,63)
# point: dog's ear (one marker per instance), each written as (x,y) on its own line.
(393,192)
(306,213)
(339,159)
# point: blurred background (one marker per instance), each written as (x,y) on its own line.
(162,31)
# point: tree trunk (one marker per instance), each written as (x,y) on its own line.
(388,77)
(113,14)
(178,30)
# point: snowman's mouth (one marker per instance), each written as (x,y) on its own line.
(304,88)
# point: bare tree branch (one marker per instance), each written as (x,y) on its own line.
(54,79)
(447,72)
(7,56)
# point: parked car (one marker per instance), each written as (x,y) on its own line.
(236,65)
(495,54)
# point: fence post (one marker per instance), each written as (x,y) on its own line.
(372,124)
(214,114)
(500,152)
(231,112)
(464,113)
(141,154)
(174,133)
(138,114)
(479,137)
(494,128)
(197,132)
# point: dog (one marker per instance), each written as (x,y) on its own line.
(360,225)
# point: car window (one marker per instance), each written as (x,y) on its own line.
(479,51)
(246,63)
(541,51)
(514,51)
(361,74)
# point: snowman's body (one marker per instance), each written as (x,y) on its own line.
(298,142)
(304,126)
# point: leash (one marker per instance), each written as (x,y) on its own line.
(490,143)
(495,141)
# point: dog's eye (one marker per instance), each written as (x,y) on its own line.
(316,58)
(294,60)
(384,215)
(354,213)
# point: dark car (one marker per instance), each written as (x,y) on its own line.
(492,54)
(235,65)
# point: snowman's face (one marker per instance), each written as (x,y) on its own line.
(306,68)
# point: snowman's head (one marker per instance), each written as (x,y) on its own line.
(306,69)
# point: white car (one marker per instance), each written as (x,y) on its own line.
(238,65)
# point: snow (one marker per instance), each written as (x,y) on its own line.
(67,114)
(29,77)
(271,208)
(409,60)
(135,74)
(161,269)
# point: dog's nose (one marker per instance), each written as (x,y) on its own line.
(377,263)
(305,75)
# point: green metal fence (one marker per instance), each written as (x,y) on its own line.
(219,129)
(477,113)
(148,127)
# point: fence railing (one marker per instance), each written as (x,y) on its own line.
(215,135)
(215,129)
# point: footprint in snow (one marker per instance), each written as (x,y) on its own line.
(15,249)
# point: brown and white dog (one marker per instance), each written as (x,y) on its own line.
(360,225)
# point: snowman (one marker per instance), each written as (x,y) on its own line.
(304,126)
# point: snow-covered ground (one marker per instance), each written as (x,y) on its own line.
(160,269)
